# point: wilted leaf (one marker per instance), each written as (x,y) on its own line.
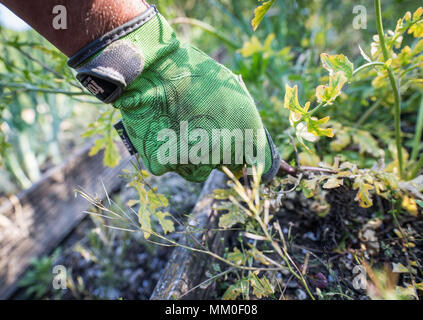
(261,287)
(257,255)
(333,183)
(363,194)
(233,217)
(235,290)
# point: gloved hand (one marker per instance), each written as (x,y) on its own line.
(182,111)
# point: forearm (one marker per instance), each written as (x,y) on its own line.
(86,19)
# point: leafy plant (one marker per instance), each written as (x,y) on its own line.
(37,282)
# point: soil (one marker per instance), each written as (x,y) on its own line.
(337,242)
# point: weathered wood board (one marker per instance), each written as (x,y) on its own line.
(186,269)
(35,221)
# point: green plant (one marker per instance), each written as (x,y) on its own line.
(37,282)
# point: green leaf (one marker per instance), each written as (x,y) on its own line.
(260,12)
(103,127)
(111,153)
(336,63)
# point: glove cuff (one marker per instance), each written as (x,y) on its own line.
(109,64)
(97,45)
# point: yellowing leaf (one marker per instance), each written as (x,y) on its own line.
(309,159)
(343,139)
(417,28)
(233,217)
(167,224)
(309,187)
(261,287)
(235,290)
(410,205)
(260,12)
(333,183)
(251,47)
(367,144)
(328,94)
(336,63)
(144,218)
(363,194)
(314,127)
(258,255)
(149,201)
(237,257)
(291,100)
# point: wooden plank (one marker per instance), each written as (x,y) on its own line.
(186,269)
(35,221)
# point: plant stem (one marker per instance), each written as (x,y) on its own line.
(312,112)
(416,169)
(397,116)
(29,88)
(367,65)
(418,133)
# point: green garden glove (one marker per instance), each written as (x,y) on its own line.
(181,110)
